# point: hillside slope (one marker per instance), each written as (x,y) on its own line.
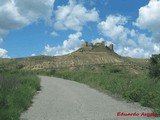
(88,54)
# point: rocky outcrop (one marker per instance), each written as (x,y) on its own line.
(98,44)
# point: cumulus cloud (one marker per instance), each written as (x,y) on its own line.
(73,16)
(149,19)
(127,42)
(71,44)
(113,28)
(133,52)
(3,53)
(15,14)
(98,40)
(54,34)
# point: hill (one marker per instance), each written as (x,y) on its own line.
(87,55)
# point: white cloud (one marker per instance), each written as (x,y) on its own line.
(3,32)
(35,9)
(127,42)
(54,34)
(1,40)
(3,53)
(72,44)
(133,52)
(33,54)
(15,14)
(149,18)
(73,16)
(113,28)
(97,40)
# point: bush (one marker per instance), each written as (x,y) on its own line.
(134,94)
(16,91)
(154,69)
(115,70)
(147,99)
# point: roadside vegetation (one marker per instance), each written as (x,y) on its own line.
(17,89)
(118,80)
(154,68)
(135,83)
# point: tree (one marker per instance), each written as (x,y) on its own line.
(154,70)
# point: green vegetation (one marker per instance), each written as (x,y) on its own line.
(128,78)
(16,92)
(154,71)
(119,81)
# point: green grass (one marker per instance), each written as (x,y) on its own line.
(18,87)
(119,81)
(16,92)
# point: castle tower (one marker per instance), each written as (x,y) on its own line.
(111,47)
(103,43)
(85,44)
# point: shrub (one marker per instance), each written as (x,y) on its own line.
(154,69)
(134,94)
(115,70)
(16,91)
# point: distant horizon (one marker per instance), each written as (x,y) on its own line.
(52,27)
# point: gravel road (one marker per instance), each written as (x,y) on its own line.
(62,99)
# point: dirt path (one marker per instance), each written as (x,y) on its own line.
(68,100)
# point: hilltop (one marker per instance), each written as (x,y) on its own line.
(87,55)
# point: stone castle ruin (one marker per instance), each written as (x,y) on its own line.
(98,44)
(111,47)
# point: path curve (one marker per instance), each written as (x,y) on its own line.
(62,99)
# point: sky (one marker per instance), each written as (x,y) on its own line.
(58,27)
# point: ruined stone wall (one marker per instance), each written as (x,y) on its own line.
(85,44)
(98,44)
(111,46)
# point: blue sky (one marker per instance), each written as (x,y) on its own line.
(58,27)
